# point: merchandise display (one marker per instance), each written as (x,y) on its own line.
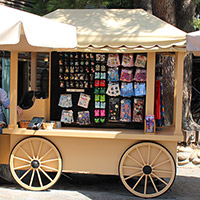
(84,100)
(150,124)
(67,116)
(138,110)
(65,100)
(140,61)
(125,115)
(83,118)
(127,60)
(126,75)
(113,60)
(113,109)
(99,89)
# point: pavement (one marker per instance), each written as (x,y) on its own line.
(99,187)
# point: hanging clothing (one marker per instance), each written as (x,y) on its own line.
(159,104)
(161,121)
(157,101)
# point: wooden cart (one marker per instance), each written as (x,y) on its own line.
(146,163)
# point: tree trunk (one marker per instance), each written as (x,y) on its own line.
(165,10)
(179,13)
(188,123)
(185,12)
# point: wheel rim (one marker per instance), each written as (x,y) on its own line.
(147,169)
(35,163)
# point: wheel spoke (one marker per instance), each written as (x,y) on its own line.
(140,156)
(39,177)
(49,167)
(46,154)
(162,171)
(25,174)
(32,149)
(130,167)
(148,157)
(138,182)
(51,160)
(45,174)
(26,153)
(39,149)
(162,163)
(21,167)
(159,179)
(153,184)
(18,158)
(131,176)
(134,160)
(156,157)
(145,184)
(32,176)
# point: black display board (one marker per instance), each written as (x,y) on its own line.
(66,80)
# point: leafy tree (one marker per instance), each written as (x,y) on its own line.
(39,7)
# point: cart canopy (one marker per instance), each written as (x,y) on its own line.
(193,42)
(120,30)
(22,31)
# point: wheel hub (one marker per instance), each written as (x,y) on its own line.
(147,169)
(35,164)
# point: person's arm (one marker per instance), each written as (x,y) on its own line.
(6,102)
(19,110)
(4,98)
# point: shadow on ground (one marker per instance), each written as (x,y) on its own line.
(101,187)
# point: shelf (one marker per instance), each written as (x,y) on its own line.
(167,134)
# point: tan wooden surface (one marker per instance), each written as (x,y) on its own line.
(92,155)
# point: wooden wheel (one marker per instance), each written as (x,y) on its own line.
(35,163)
(147,169)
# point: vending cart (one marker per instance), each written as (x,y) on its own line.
(102,99)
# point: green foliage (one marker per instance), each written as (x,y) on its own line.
(119,4)
(39,7)
(42,7)
(196,22)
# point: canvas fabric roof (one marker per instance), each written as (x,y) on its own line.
(23,31)
(120,30)
(193,42)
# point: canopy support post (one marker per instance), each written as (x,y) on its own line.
(49,97)
(34,71)
(13,89)
(150,83)
(178,92)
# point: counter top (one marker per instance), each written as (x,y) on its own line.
(166,134)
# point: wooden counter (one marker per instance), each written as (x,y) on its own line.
(167,134)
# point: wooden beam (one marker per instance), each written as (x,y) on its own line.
(150,83)
(178,91)
(34,71)
(13,89)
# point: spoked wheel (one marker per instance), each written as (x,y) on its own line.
(147,169)
(35,163)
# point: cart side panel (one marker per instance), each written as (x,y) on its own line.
(39,109)
(95,156)
(4,149)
